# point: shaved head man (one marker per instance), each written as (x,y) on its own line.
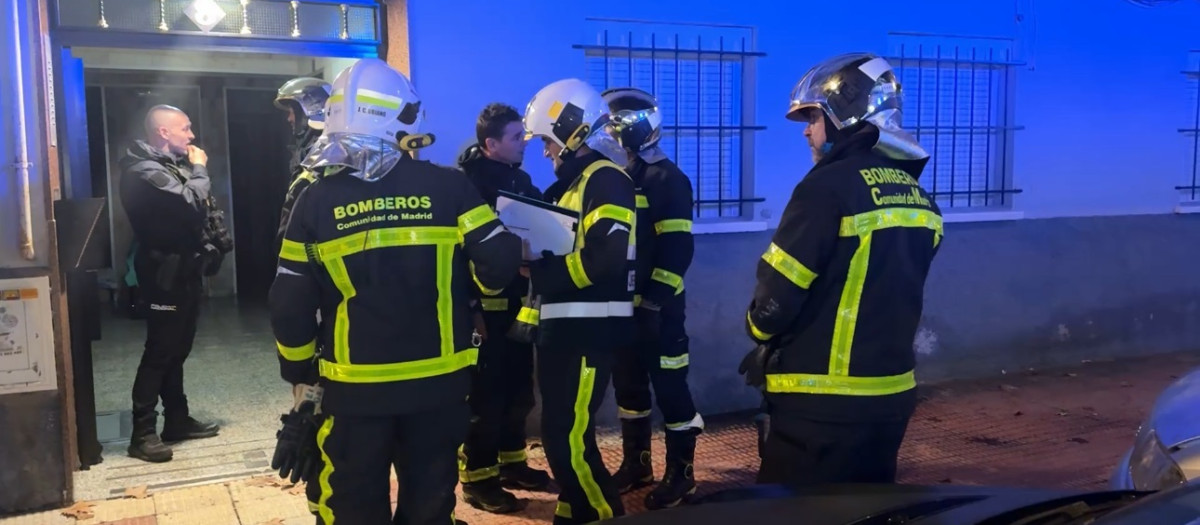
(165,191)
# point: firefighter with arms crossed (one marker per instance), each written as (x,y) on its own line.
(304,101)
(381,246)
(586,306)
(660,354)
(841,286)
(493,456)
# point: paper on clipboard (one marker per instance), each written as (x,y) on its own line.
(545,226)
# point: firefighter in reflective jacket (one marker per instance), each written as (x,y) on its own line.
(493,457)
(841,286)
(381,245)
(660,354)
(586,309)
(304,100)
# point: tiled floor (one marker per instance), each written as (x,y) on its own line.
(1062,428)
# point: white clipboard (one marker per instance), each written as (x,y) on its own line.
(545,226)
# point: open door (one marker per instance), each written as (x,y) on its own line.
(83,236)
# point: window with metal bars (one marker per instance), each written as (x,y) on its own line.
(1191,191)
(958,104)
(700,75)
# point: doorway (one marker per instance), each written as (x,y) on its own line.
(231,376)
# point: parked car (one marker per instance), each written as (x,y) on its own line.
(932,505)
(1166,450)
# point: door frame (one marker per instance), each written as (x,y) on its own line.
(71,161)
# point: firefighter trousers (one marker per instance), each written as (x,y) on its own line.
(572,385)
(358,452)
(501,400)
(172,307)
(802,451)
(660,360)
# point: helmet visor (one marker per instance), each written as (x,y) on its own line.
(848,88)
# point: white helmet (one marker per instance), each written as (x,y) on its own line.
(567,112)
(370,98)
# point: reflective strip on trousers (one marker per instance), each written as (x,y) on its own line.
(587,310)
(583,471)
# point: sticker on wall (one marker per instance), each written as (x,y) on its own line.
(26,337)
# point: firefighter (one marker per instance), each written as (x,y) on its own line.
(840,288)
(380,244)
(493,456)
(586,307)
(304,101)
(660,354)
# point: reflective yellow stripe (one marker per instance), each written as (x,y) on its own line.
(387,238)
(668,278)
(297,353)
(495,305)
(445,301)
(326,471)
(672,225)
(468,476)
(625,413)
(607,211)
(379,100)
(583,398)
(643,202)
(562,509)
(292,251)
(341,320)
(840,385)
(313,507)
(637,299)
(529,315)
(788,266)
(575,268)
(673,363)
(847,312)
(758,334)
(513,456)
(475,218)
(406,371)
(482,288)
(868,222)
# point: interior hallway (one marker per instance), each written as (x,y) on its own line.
(231,377)
(1062,428)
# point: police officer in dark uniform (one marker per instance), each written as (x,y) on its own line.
(381,245)
(586,307)
(304,101)
(493,457)
(841,286)
(660,354)
(180,238)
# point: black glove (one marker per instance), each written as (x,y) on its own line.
(649,321)
(211,260)
(297,456)
(756,364)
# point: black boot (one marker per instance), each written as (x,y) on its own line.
(188,428)
(489,496)
(523,477)
(679,482)
(636,469)
(144,444)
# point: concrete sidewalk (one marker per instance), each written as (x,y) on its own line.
(1052,428)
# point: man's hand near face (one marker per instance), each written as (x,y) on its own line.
(197,156)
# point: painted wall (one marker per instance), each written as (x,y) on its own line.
(32,73)
(31,447)
(1100,140)
(1100,114)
